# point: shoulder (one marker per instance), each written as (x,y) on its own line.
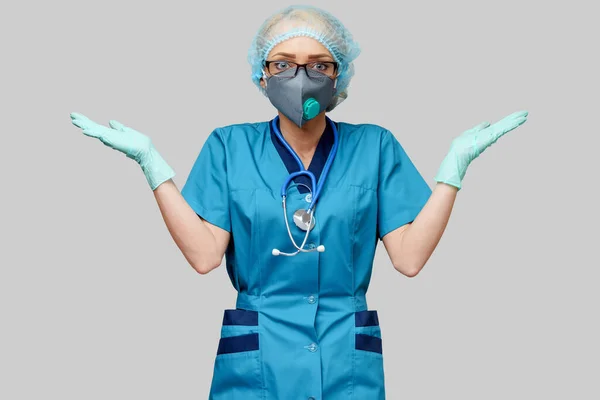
(244,129)
(365,128)
(366,133)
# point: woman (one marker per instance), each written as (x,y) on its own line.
(301,328)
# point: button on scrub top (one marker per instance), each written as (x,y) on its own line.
(301,327)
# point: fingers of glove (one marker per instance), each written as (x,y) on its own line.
(93,129)
(95,133)
(478,127)
(108,136)
(81,121)
(510,122)
(91,133)
(78,116)
(89,127)
(491,134)
(504,126)
(117,125)
(517,115)
(117,139)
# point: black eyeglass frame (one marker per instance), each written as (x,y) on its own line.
(335,66)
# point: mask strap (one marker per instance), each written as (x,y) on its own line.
(264,77)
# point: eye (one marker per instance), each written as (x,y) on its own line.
(321,66)
(281,65)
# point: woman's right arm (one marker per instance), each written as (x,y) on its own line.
(203,244)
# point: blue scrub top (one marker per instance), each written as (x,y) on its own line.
(301,328)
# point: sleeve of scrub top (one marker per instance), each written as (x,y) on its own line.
(402,192)
(206,189)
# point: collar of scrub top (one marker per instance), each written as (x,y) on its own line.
(325,143)
(317,163)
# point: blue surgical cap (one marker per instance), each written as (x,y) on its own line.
(310,22)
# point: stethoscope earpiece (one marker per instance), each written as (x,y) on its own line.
(277,252)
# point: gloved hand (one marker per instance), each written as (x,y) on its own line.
(132,143)
(471,143)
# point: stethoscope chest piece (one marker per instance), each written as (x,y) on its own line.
(302,219)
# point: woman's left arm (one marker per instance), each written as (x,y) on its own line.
(410,246)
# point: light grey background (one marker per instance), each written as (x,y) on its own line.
(97,302)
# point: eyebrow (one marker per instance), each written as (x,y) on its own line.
(324,55)
(284,55)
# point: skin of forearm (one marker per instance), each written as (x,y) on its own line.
(191,235)
(414,245)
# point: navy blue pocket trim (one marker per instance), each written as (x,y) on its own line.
(368,343)
(240,317)
(366,318)
(237,344)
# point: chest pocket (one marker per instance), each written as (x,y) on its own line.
(237,370)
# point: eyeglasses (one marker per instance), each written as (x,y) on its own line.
(313,69)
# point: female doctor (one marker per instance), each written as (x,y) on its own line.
(296,205)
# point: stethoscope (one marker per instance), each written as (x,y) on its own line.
(304,218)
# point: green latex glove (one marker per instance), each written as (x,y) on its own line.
(132,143)
(471,143)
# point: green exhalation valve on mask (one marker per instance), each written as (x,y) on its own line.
(311,108)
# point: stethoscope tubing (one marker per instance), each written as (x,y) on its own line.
(303,171)
(318,186)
